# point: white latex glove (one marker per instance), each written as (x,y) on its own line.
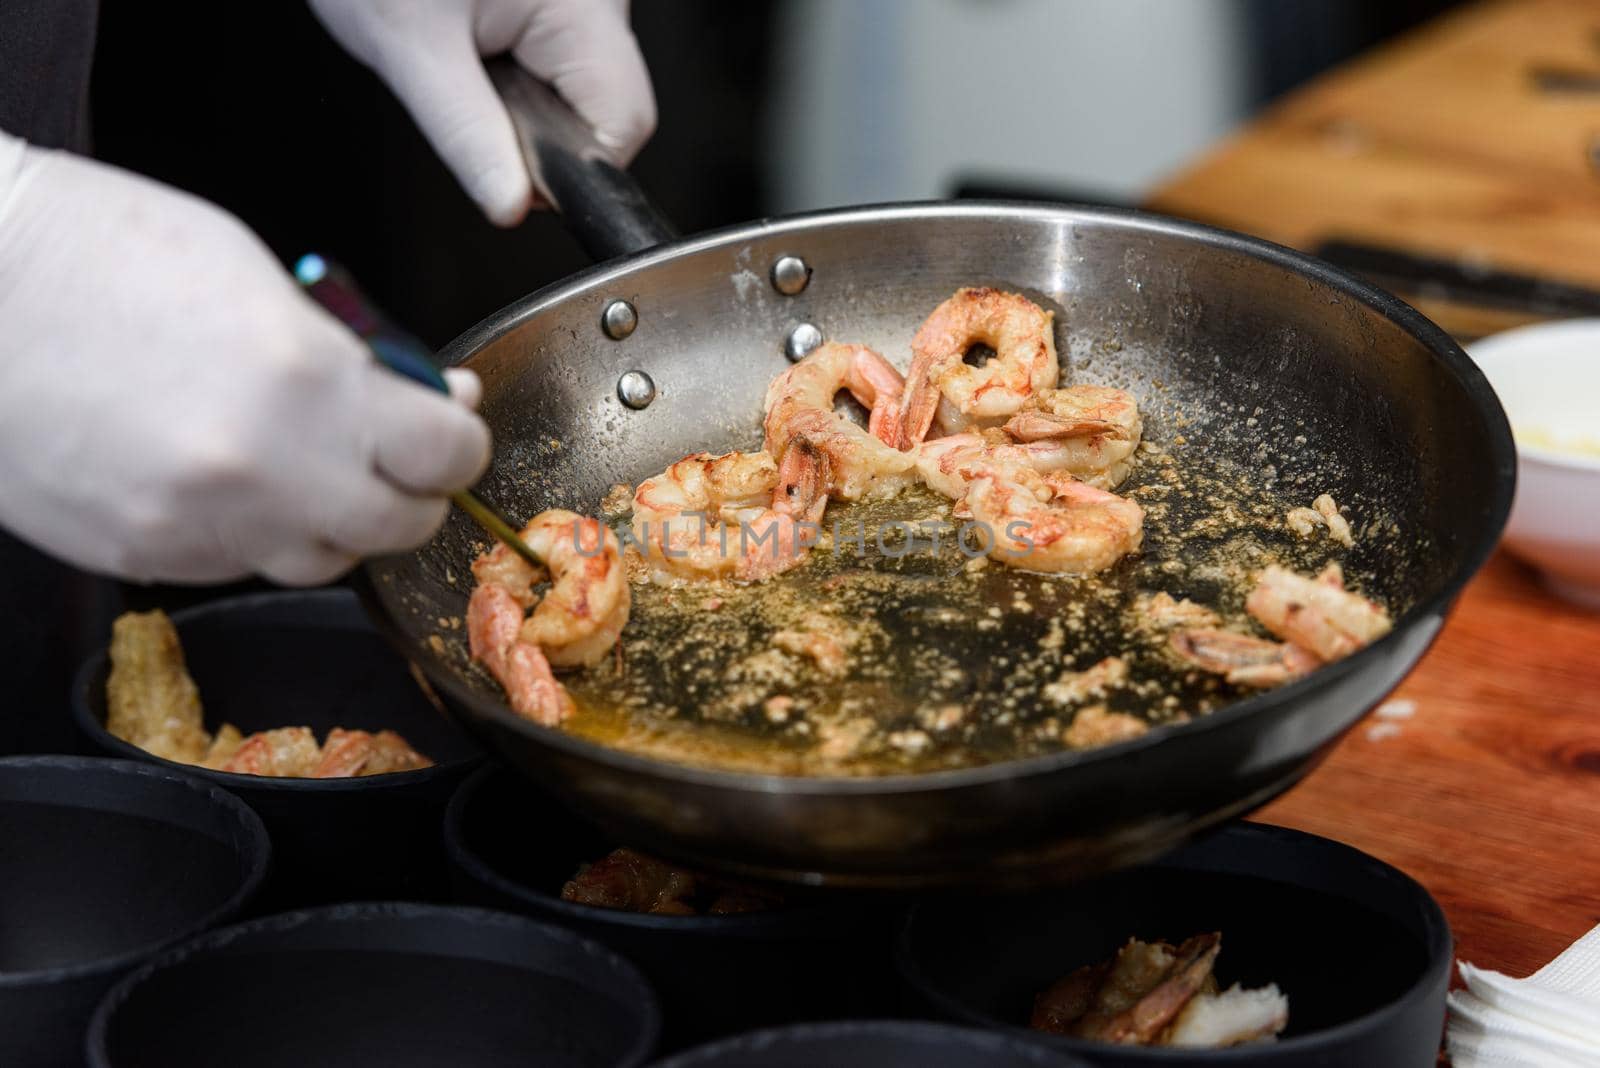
(173,408)
(428,52)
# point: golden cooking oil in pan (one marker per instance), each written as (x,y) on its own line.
(879,657)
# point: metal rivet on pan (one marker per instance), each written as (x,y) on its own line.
(619,319)
(636,389)
(790,275)
(801,341)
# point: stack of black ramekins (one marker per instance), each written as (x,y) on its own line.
(154,915)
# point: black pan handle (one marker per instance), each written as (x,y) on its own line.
(601,205)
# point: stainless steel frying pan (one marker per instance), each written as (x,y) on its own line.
(667,346)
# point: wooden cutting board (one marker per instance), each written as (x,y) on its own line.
(1442,143)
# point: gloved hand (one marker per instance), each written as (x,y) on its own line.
(428,52)
(173,408)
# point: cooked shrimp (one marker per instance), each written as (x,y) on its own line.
(1094,429)
(494,634)
(578,620)
(847,462)
(290,752)
(941,386)
(631,881)
(782,535)
(1318,620)
(1155,1006)
(1090,449)
(1052,522)
(1318,615)
(945,464)
(348,753)
(575,623)
(722,517)
(1242,659)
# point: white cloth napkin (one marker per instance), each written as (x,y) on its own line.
(1549,1020)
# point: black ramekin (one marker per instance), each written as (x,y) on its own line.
(1362,951)
(512,846)
(872,1044)
(102,863)
(396,985)
(311,658)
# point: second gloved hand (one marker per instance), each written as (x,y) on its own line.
(428,52)
(173,408)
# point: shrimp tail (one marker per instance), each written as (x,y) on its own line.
(803,479)
(1040,426)
(779,537)
(873,381)
(921,403)
(1241,658)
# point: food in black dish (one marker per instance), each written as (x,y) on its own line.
(806,957)
(628,880)
(152,702)
(1370,992)
(1159,994)
(312,658)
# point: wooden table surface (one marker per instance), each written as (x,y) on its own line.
(1489,793)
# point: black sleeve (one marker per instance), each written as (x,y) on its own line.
(46,47)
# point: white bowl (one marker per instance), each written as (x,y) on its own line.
(1548,379)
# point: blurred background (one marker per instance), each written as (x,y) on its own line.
(766,107)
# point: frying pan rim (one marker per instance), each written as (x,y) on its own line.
(1436,606)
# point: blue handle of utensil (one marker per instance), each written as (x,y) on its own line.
(331,286)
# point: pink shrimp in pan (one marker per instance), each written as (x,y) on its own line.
(943,389)
(739,515)
(1318,620)
(792,523)
(1317,614)
(575,623)
(850,462)
(1090,431)
(945,464)
(1051,522)
(1243,659)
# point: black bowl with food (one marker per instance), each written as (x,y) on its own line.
(102,863)
(1250,933)
(380,984)
(872,1044)
(724,955)
(297,683)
